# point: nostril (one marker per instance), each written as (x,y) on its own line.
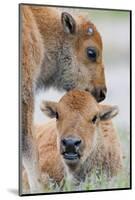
(64,142)
(99,94)
(70,142)
(102,94)
(77,143)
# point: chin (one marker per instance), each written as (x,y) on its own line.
(72,161)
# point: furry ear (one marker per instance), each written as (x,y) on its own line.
(108,112)
(49,108)
(68,22)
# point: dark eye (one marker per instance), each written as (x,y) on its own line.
(94,119)
(57,115)
(92,53)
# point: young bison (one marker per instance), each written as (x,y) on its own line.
(58,50)
(81,139)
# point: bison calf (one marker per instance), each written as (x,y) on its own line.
(82,138)
(61,51)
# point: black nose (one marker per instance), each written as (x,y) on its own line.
(70,144)
(99,93)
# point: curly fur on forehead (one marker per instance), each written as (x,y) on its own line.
(78,100)
(84,25)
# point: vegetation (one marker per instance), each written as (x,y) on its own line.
(100,181)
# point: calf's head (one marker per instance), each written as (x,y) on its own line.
(85,47)
(78,118)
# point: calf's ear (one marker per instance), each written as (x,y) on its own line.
(49,108)
(68,23)
(108,112)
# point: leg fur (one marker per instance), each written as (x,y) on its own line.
(31,59)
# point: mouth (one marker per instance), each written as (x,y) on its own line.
(71,156)
(99,94)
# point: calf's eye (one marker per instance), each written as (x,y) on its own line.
(92,53)
(94,119)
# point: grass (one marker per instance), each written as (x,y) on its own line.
(94,183)
(99,182)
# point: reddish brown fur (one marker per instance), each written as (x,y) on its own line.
(47,145)
(31,58)
(40,28)
(36,36)
(101,147)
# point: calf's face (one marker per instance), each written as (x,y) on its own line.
(77,116)
(87,71)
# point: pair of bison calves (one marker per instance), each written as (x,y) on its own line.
(65,52)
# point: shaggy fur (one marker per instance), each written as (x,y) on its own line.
(54,54)
(100,148)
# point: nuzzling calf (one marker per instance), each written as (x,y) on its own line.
(82,138)
(61,51)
